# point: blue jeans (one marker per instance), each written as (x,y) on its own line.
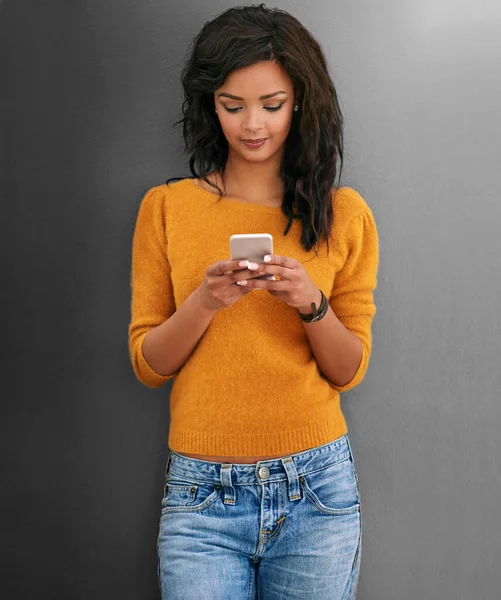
(283,528)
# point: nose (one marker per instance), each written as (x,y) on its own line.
(253,120)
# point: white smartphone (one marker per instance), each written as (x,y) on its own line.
(253,247)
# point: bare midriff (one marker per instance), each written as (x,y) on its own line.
(230,459)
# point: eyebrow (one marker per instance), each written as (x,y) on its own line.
(261,97)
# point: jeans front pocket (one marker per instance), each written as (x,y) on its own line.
(333,490)
(186,496)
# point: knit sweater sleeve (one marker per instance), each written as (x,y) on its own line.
(352,298)
(152,298)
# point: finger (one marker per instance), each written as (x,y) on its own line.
(267,284)
(268,269)
(227,266)
(283,261)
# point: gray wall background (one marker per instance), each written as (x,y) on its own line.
(90,92)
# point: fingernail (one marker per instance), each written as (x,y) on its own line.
(267,258)
(244,282)
(243,263)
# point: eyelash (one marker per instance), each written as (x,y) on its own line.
(268,108)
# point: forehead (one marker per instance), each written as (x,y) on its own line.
(256,80)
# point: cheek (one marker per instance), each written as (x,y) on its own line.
(230,127)
(281,124)
(280,130)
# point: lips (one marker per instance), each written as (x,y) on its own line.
(255,144)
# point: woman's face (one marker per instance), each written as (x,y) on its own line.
(244,113)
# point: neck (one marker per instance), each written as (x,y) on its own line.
(253,180)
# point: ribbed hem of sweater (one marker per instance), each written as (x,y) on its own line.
(258,443)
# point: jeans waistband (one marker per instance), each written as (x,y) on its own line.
(274,469)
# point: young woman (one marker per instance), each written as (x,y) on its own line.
(261,494)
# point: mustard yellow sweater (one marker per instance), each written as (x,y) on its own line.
(252,385)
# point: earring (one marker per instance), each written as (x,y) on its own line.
(296,108)
(215,110)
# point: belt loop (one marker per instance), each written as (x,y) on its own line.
(228,489)
(293,477)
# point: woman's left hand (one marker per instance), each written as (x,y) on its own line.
(295,286)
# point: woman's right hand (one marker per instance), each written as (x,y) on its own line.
(219,288)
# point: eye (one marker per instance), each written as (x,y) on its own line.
(268,108)
(274,108)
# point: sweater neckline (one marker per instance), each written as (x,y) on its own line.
(231,202)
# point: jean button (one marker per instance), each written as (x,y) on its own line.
(264,472)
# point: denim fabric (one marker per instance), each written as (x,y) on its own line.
(286,528)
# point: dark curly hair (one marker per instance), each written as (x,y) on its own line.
(243,36)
